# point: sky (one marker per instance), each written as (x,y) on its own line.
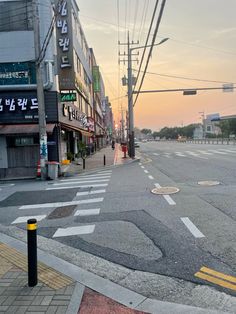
(201,46)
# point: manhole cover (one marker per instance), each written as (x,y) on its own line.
(208,183)
(165,190)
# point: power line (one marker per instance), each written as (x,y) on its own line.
(150,51)
(187,78)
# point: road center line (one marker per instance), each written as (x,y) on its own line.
(166,197)
(192,228)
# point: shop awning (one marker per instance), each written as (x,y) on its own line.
(72,128)
(10,129)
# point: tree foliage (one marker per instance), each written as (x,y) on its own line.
(146,131)
(227,127)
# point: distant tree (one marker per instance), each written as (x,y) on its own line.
(227,127)
(146,131)
(155,134)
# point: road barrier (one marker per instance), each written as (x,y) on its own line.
(32,252)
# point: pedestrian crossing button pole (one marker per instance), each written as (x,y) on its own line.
(104,160)
(32,252)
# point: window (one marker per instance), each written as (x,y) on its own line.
(16,15)
(24,141)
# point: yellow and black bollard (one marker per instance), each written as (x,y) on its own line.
(32,252)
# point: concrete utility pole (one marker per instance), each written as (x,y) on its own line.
(130,103)
(130,83)
(40,94)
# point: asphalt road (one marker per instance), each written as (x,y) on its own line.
(188,237)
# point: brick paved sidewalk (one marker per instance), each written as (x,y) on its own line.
(51,295)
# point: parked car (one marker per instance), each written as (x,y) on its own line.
(136,144)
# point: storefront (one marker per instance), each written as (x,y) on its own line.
(66,128)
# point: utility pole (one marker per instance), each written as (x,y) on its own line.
(40,94)
(130,83)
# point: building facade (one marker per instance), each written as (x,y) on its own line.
(66,67)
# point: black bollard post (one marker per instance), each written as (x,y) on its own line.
(83,163)
(32,252)
(104,160)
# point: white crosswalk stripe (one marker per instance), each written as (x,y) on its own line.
(81,181)
(204,152)
(216,152)
(87,212)
(70,231)
(77,186)
(61,204)
(90,192)
(84,178)
(24,219)
(180,154)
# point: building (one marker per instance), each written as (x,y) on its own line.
(66,66)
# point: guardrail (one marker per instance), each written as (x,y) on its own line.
(225,141)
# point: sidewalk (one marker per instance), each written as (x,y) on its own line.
(96,161)
(64,288)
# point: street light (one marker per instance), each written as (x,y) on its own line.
(130,94)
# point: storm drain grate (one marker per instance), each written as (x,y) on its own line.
(166,190)
(62,212)
(208,183)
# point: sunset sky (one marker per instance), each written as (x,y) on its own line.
(201,45)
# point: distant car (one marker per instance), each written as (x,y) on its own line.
(136,144)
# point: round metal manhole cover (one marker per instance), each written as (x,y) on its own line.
(208,183)
(166,190)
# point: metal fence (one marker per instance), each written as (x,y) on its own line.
(225,141)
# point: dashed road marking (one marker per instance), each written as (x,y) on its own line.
(151,177)
(146,171)
(166,197)
(192,228)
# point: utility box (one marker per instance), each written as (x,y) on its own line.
(53,169)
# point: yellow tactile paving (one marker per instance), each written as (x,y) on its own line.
(4,266)
(47,275)
(217,278)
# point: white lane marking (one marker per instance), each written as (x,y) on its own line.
(61,204)
(87,212)
(180,154)
(77,186)
(88,178)
(0,189)
(229,151)
(156,154)
(169,199)
(204,153)
(167,155)
(192,228)
(105,172)
(80,181)
(142,167)
(90,192)
(140,164)
(216,152)
(195,154)
(166,197)
(192,153)
(146,171)
(25,218)
(65,232)
(151,177)
(5,185)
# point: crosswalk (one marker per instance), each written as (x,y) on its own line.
(89,190)
(204,154)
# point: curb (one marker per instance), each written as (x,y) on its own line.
(103,286)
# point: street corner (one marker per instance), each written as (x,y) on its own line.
(96,303)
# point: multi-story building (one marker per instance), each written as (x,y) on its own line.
(66,66)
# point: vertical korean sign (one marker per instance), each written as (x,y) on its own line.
(65,46)
(96,79)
